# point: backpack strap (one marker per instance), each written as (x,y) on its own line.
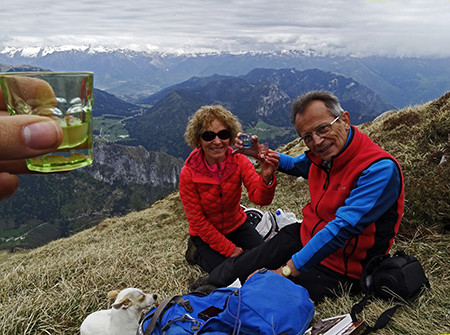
(383,319)
(357,308)
(370,277)
(171,300)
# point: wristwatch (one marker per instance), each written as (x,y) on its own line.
(286,271)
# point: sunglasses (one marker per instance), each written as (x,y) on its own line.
(208,136)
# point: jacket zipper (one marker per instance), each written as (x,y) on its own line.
(327,170)
(315,226)
(325,185)
(347,256)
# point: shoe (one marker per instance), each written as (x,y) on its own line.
(190,252)
(202,281)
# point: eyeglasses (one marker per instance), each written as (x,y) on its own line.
(208,136)
(320,131)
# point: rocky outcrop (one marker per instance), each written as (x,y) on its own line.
(115,163)
(122,179)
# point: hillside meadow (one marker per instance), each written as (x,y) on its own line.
(51,289)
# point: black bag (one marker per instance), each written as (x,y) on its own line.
(400,277)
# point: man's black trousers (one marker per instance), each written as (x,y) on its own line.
(319,281)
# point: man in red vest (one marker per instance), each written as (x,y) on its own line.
(356,205)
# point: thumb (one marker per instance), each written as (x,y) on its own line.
(26,136)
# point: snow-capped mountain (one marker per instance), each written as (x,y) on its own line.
(133,74)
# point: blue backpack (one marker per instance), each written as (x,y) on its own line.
(267,303)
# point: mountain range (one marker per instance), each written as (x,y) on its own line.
(131,75)
(153,95)
(260,99)
(131,177)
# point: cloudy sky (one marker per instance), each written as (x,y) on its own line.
(359,27)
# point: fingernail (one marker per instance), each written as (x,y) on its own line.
(40,135)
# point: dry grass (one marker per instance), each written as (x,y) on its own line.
(419,137)
(50,290)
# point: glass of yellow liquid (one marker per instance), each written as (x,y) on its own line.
(66,97)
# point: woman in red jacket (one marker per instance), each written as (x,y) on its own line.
(211,186)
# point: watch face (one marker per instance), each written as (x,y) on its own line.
(286,271)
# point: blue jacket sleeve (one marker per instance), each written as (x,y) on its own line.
(294,166)
(374,192)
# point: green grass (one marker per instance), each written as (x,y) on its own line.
(11,232)
(110,128)
(266,131)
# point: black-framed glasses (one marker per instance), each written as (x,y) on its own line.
(320,131)
(209,135)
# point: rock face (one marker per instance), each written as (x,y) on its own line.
(127,165)
(122,179)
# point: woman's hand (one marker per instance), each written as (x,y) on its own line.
(251,152)
(269,164)
(236,252)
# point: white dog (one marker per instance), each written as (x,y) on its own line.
(122,318)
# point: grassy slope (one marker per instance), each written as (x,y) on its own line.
(50,290)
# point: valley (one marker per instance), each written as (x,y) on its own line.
(143,104)
(110,128)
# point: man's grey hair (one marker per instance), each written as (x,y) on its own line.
(300,104)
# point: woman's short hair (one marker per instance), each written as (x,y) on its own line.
(202,119)
(300,104)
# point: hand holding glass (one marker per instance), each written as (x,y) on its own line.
(66,97)
(246,140)
(263,149)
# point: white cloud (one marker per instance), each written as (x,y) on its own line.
(389,27)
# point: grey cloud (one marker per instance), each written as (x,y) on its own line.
(392,27)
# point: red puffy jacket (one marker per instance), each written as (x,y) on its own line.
(213,208)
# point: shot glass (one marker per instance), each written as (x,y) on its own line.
(246,140)
(66,97)
(263,149)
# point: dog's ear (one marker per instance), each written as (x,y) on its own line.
(124,303)
(113,294)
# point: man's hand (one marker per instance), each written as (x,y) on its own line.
(23,136)
(294,271)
